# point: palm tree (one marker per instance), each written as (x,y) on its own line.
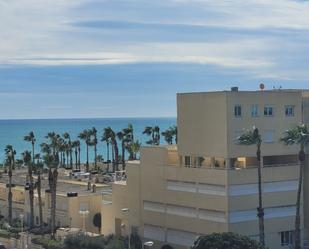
(31,138)
(75,145)
(10,158)
(122,137)
(168,136)
(129,139)
(67,136)
(86,136)
(27,161)
(113,140)
(149,132)
(134,148)
(106,138)
(298,135)
(154,132)
(174,131)
(94,142)
(51,159)
(252,137)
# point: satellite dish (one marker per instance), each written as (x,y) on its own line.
(262,86)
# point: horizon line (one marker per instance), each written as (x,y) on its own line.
(79,118)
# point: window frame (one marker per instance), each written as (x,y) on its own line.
(266,111)
(286,107)
(256,108)
(185,161)
(238,111)
(287,238)
(273,136)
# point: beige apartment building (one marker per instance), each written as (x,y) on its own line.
(208,183)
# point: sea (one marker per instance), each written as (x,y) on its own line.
(13,131)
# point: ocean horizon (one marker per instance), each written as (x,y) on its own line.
(12,131)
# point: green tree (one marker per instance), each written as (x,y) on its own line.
(298,135)
(248,138)
(10,159)
(225,241)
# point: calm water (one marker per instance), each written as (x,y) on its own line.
(13,131)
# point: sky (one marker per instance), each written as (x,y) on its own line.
(129,58)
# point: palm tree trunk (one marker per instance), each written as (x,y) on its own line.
(79,157)
(71,156)
(31,197)
(260,210)
(10,196)
(107,156)
(87,162)
(116,155)
(123,156)
(113,157)
(67,154)
(33,154)
(95,156)
(53,188)
(76,162)
(39,187)
(302,159)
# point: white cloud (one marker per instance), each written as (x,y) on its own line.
(40,32)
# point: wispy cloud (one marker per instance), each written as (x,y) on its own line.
(88,32)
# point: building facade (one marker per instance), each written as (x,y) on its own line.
(208,183)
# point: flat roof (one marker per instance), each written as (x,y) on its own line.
(250,91)
(64,184)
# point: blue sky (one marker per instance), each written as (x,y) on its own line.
(129,58)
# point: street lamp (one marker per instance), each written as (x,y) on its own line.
(148,244)
(84,214)
(127,210)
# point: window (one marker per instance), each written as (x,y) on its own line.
(268,111)
(187,161)
(237,111)
(268,136)
(254,110)
(289,111)
(199,161)
(287,238)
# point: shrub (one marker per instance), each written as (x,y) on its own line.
(47,243)
(81,241)
(225,241)
(5,234)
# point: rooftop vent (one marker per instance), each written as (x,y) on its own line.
(234,89)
